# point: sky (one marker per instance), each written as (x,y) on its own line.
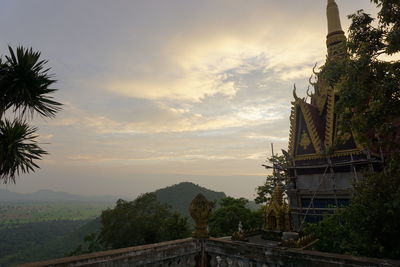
(157,92)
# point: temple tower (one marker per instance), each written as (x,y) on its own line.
(324,161)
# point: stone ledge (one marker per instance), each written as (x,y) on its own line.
(118,254)
(186,252)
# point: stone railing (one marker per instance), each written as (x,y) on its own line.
(181,252)
(212,252)
(227,253)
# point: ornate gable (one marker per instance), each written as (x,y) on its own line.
(305,130)
(314,132)
(315,129)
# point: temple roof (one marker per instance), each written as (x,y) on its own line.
(314,130)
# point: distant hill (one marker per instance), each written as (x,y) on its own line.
(177,196)
(49,195)
(180,195)
(62,237)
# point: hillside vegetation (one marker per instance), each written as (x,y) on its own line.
(55,227)
(180,195)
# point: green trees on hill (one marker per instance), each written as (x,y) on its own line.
(142,221)
(369,81)
(225,220)
(24,90)
(130,223)
(148,220)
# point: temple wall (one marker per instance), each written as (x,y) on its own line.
(326,192)
(340,181)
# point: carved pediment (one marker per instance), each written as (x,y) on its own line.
(306,130)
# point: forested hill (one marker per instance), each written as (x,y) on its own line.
(180,195)
(50,233)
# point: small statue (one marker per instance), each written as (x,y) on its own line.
(240,227)
(239,234)
(200,210)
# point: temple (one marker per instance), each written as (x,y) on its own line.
(324,160)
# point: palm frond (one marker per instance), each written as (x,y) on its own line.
(18,149)
(25,82)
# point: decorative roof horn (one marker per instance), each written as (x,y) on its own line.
(308,94)
(313,69)
(294,92)
(309,80)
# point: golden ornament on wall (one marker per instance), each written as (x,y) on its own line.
(305,140)
(342,137)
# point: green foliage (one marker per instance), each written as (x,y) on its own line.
(176,197)
(16,137)
(28,242)
(25,82)
(369,226)
(279,176)
(38,231)
(138,222)
(332,234)
(369,86)
(389,15)
(225,220)
(24,88)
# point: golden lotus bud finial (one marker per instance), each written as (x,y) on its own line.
(200,210)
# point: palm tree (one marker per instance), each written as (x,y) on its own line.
(24,90)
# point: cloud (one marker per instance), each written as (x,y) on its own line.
(172,87)
(169,120)
(196,59)
(45,137)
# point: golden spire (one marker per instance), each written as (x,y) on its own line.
(335,40)
(332,12)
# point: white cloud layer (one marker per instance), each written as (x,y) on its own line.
(168,88)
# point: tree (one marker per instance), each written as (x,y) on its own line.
(24,89)
(278,176)
(369,80)
(225,220)
(138,222)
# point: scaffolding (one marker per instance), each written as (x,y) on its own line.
(329,173)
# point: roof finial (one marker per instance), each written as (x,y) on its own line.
(332,12)
(335,35)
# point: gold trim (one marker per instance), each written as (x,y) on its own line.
(316,141)
(293,126)
(335,154)
(330,115)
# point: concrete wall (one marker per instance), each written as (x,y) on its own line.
(312,182)
(214,252)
